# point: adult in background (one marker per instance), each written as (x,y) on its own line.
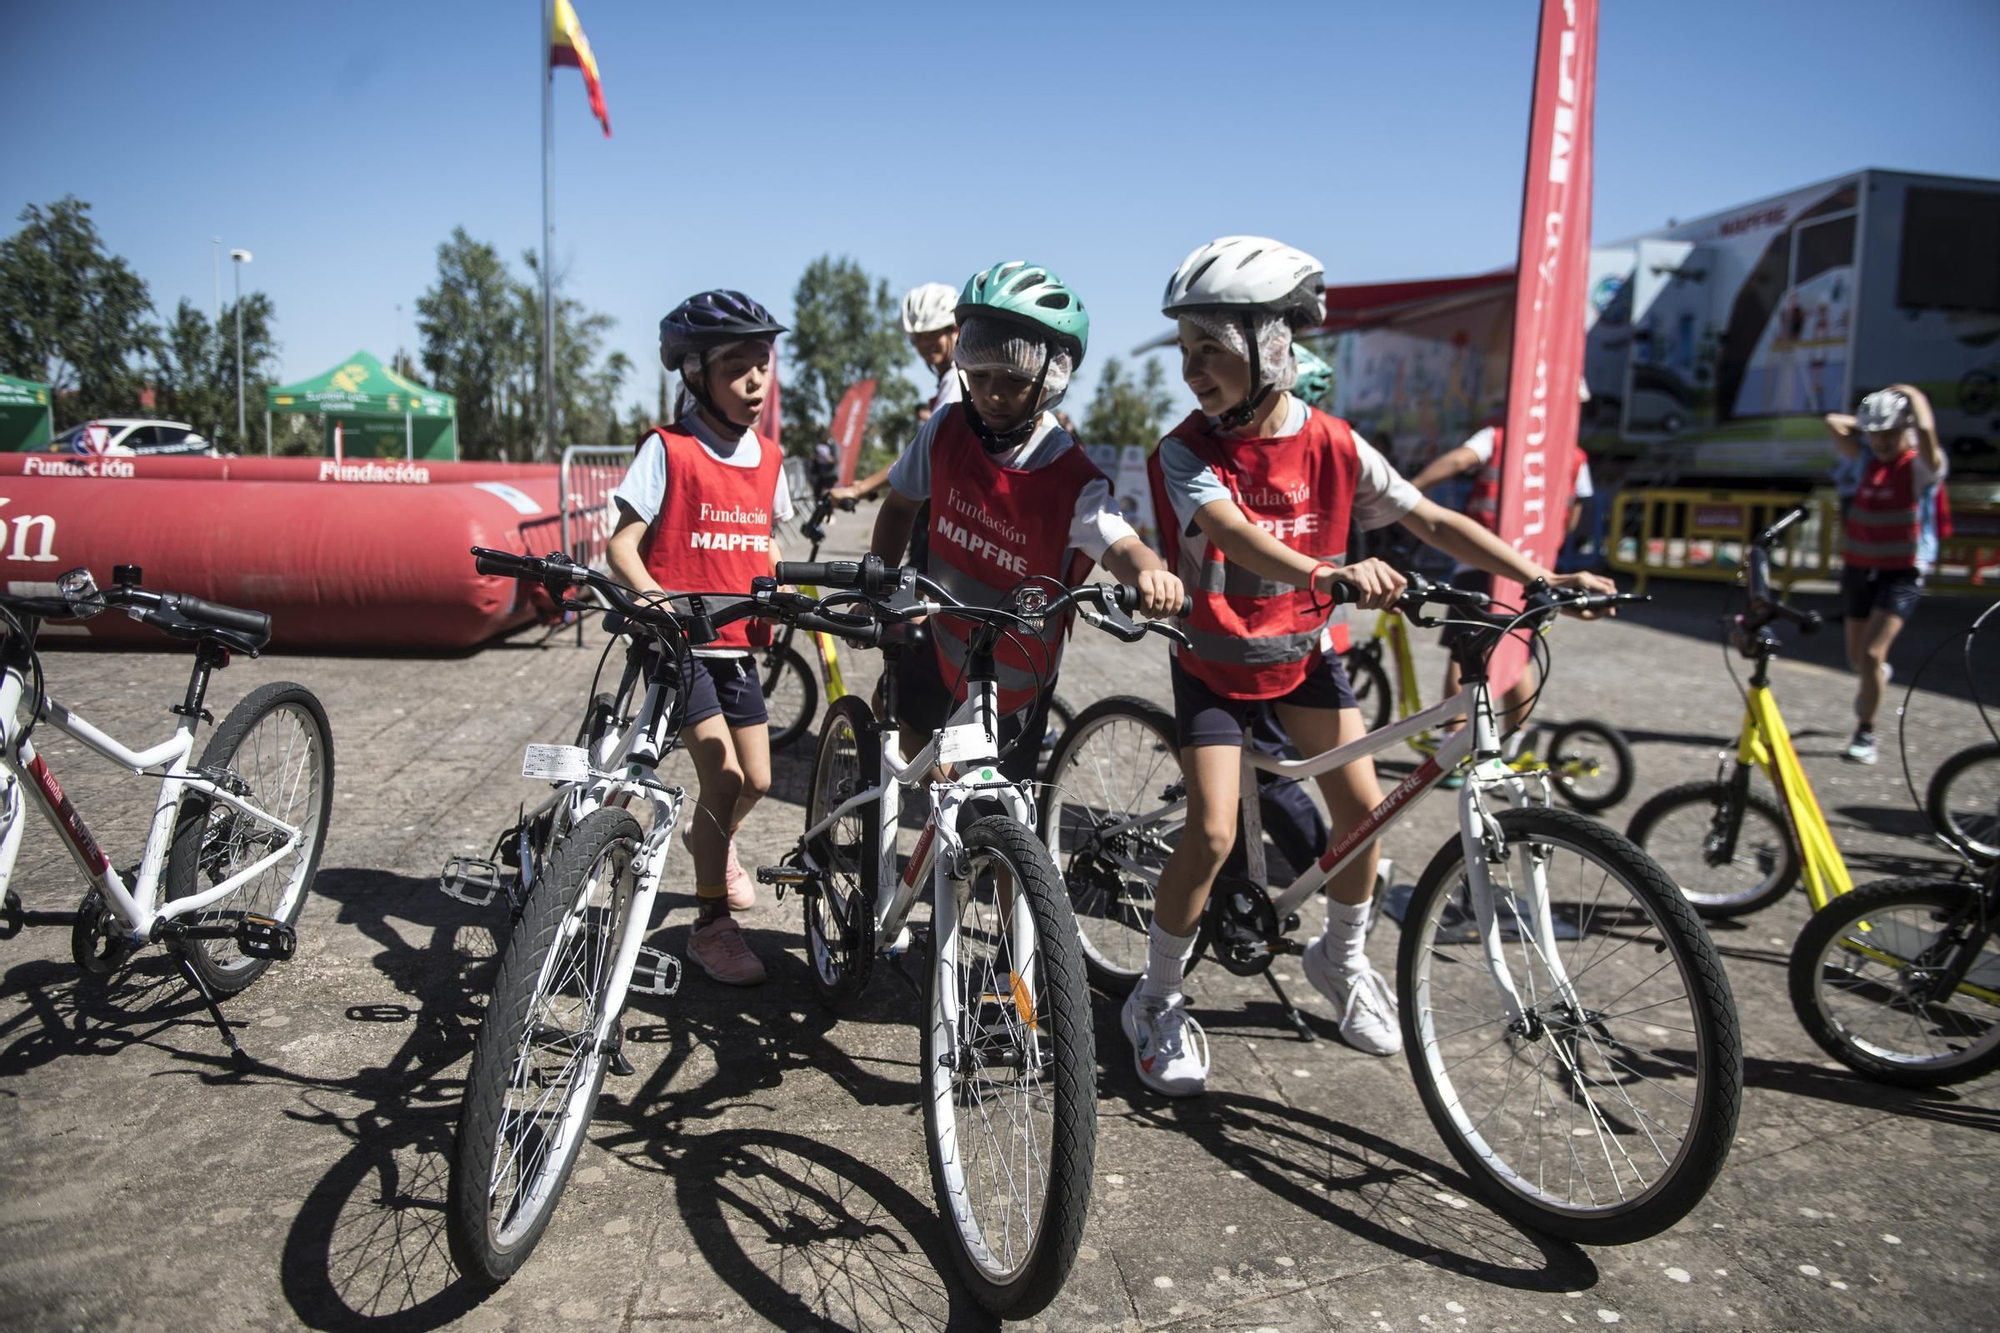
(1889,539)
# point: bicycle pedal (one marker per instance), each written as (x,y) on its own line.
(264,937)
(790,876)
(655,973)
(473,880)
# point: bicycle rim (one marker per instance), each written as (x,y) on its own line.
(1687,839)
(1870,986)
(558,1067)
(841,851)
(992,1092)
(1112,768)
(1592,1103)
(1970,807)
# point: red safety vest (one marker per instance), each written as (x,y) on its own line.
(1882,525)
(1482,506)
(1253,638)
(713,533)
(992,526)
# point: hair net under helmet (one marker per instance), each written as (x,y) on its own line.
(1274,342)
(985,343)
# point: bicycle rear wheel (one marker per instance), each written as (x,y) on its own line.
(1605,1112)
(1963,801)
(274,750)
(1116,763)
(791,695)
(1685,829)
(1865,974)
(1010,1073)
(540,1059)
(1590,765)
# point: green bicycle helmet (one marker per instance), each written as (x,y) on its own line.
(1029,295)
(1315,380)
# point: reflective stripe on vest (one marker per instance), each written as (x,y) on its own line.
(1251,637)
(713,531)
(1883,526)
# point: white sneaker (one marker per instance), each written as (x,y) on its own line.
(1169,1049)
(1369,1018)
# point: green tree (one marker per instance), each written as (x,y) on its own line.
(846,327)
(1125,411)
(71,315)
(194,371)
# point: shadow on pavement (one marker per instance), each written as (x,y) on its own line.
(1851,1089)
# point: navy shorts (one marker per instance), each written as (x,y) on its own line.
(1863,591)
(924,703)
(725,685)
(1203,717)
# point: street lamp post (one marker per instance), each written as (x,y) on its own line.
(238,258)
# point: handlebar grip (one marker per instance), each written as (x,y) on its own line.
(821,573)
(253,623)
(869,634)
(1809,622)
(1770,535)
(1127,600)
(504,563)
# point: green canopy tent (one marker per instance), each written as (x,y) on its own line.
(380,413)
(25,421)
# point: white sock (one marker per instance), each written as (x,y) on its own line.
(1166,963)
(1346,940)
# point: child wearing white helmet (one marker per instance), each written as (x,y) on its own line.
(932,328)
(1889,538)
(1257,490)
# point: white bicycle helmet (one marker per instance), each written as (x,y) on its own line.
(928,308)
(1238,273)
(1252,280)
(1883,410)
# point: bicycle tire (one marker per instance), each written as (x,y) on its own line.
(527,1004)
(839,910)
(1589,740)
(1690,865)
(1962,820)
(1577,1054)
(1840,980)
(210,838)
(1372,693)
(1043,1007)
(1075,803)
(788,721)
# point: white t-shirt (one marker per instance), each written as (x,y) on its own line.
(644,489)
(1094,528)
(1381,494)
(1481,445)
(949,388)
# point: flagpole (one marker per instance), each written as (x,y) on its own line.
(548,276)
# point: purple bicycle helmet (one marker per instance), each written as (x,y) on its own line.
(709,319)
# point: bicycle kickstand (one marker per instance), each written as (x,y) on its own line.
(1288,1011)
(237,1055)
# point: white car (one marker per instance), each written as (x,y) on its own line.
(134,435)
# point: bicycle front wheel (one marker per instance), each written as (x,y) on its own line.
(1900,981)
(1963,801)
(791,696)
(1115,767)
(1689,830)
(839,911)
(1605,1110)
(1010,1073)
(540,1059)
(274,750)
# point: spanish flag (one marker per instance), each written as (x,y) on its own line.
(568,46)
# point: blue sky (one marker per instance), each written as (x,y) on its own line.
(342,142)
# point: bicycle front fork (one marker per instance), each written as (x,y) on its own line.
(1484,846)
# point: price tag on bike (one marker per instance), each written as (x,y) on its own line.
(556,763)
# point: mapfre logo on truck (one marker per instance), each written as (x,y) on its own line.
(27,536)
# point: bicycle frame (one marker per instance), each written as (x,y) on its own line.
(1766,743)
(1479,741)
(137,905)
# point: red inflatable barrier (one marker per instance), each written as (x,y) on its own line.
(170,467)
(348,568)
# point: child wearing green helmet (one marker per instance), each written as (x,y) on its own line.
(1011,498)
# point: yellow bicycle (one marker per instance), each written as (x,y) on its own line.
(1732,849)
(1589,763)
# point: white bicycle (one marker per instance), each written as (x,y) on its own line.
(1567,1019)
(235,840)
(1009,1069)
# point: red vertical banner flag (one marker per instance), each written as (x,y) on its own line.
(850,423)
(1546,362)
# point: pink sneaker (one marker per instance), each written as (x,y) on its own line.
(742,888)
(724,954)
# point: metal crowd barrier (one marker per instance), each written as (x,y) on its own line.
(589,473)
